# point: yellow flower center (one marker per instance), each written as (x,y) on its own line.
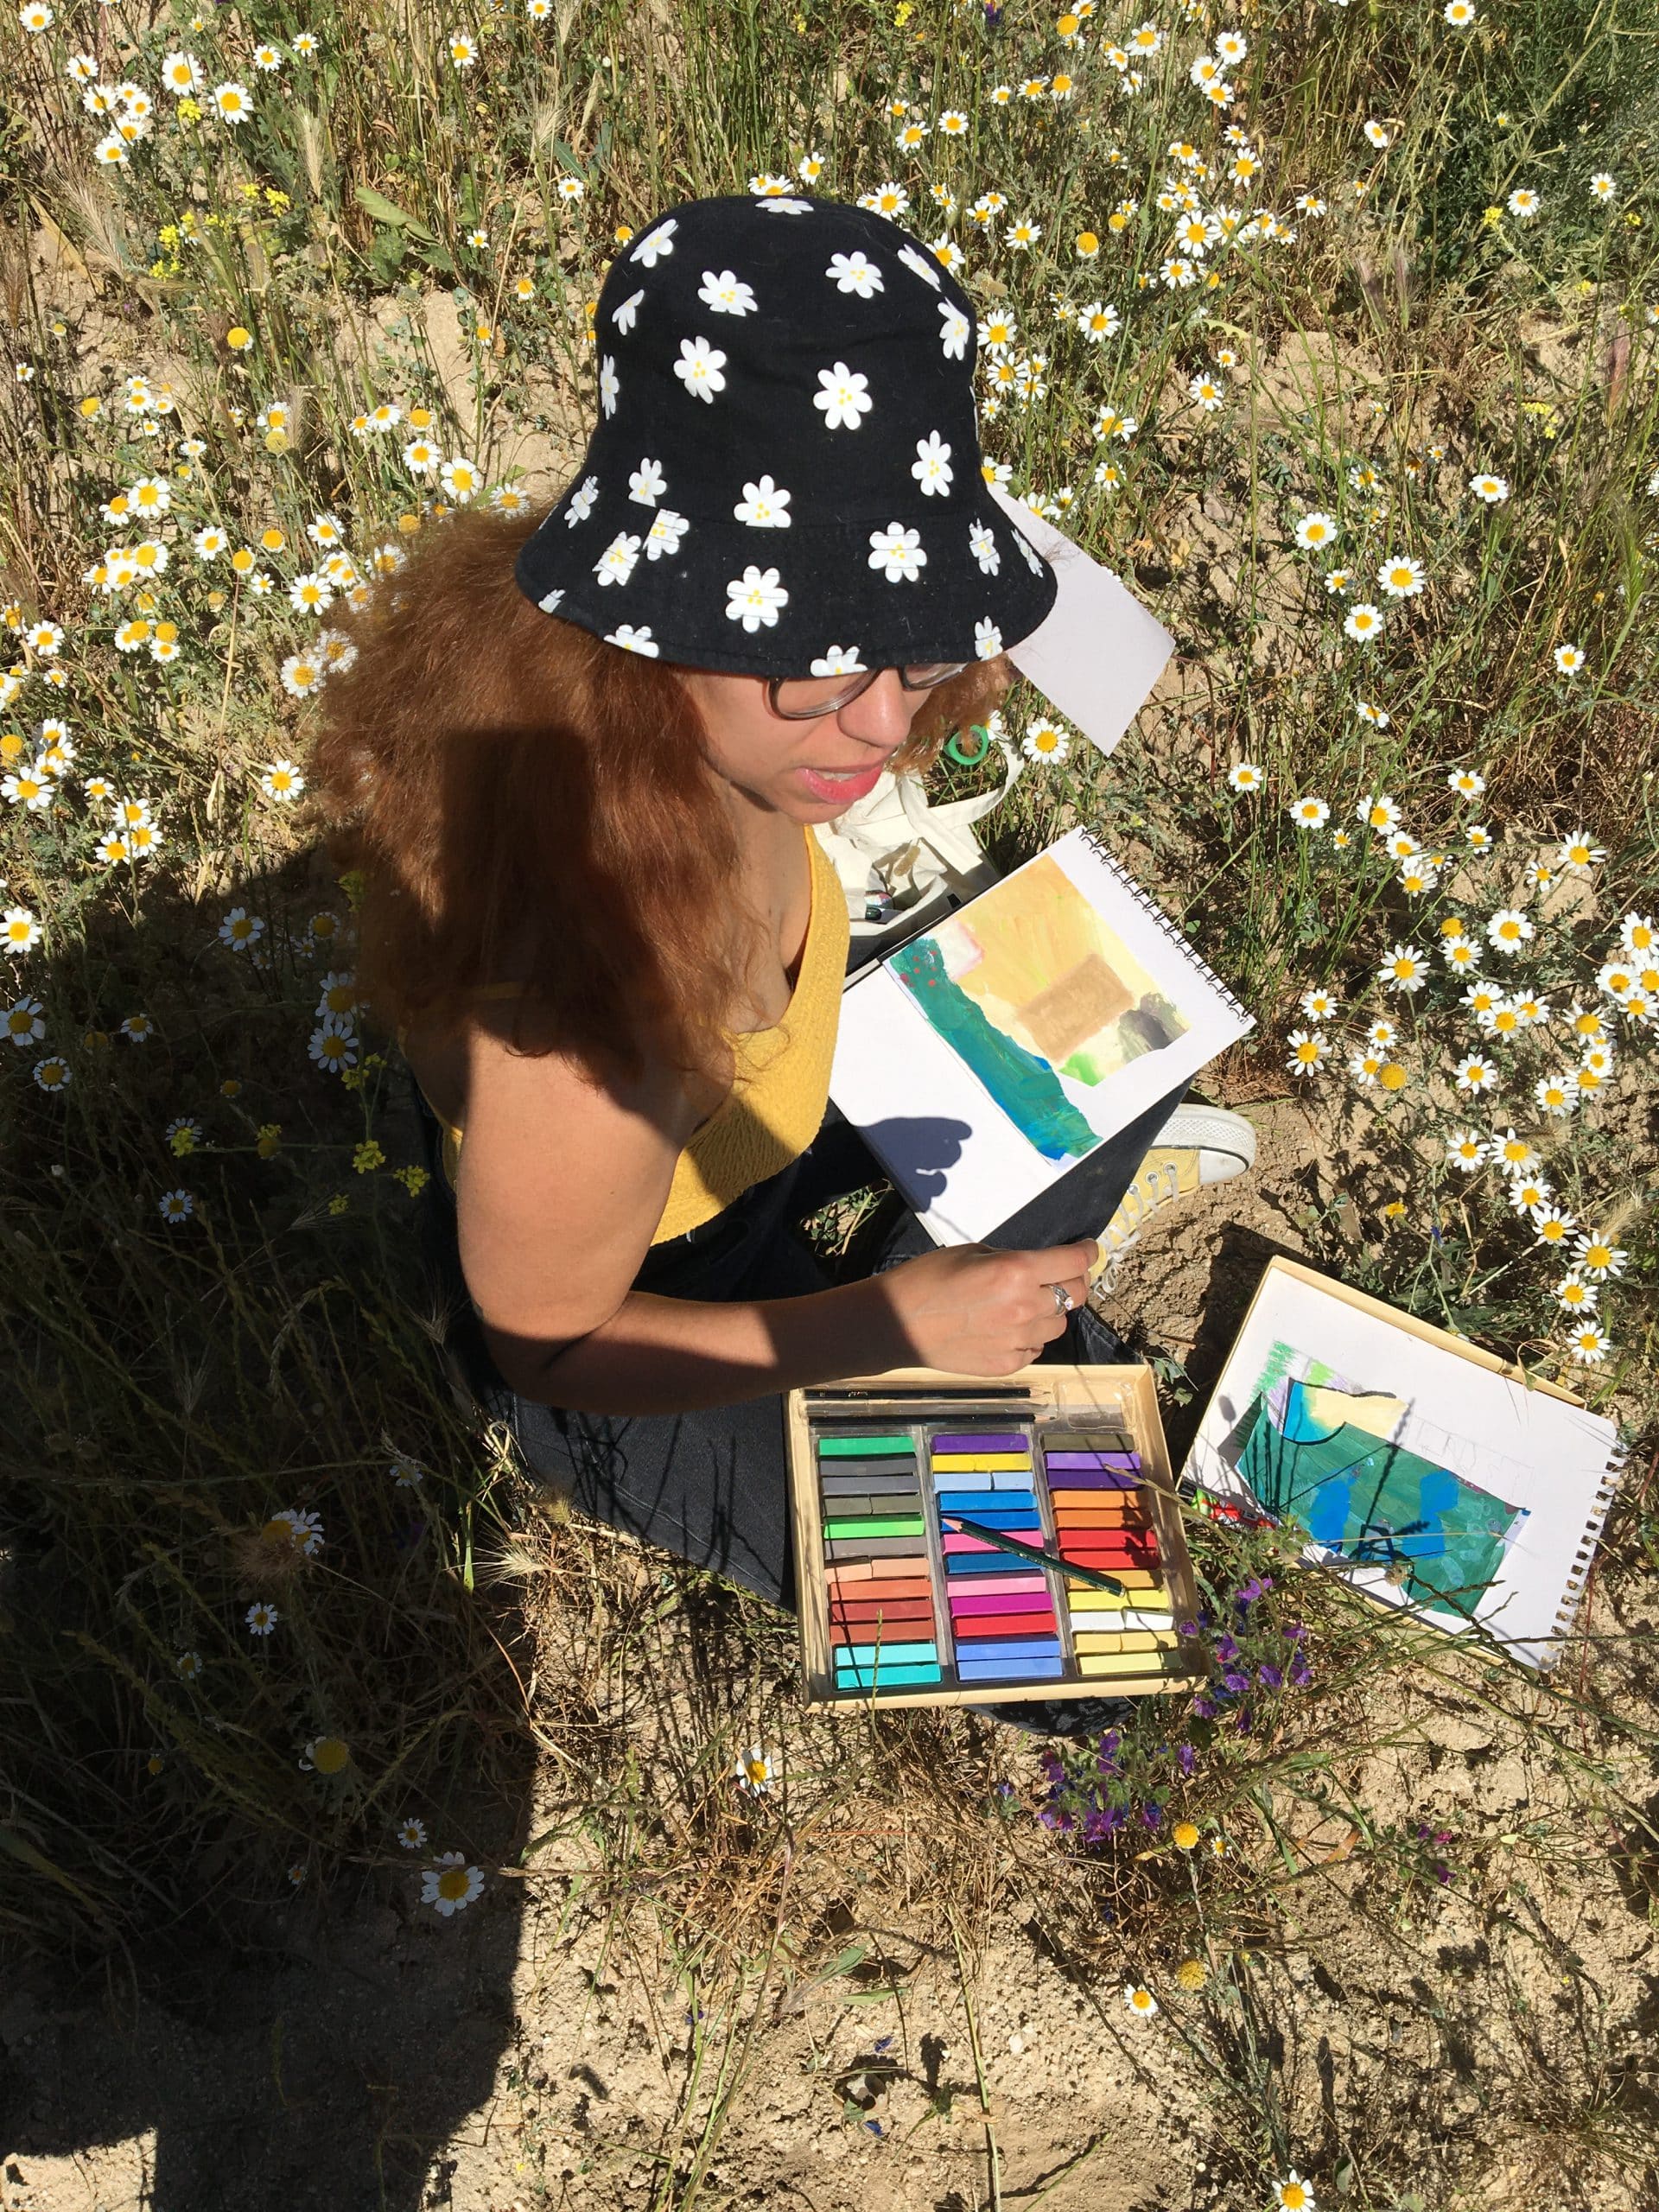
(452,1882)
(1392,1076)
(329,1755)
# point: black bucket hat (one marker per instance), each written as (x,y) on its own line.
(785,476)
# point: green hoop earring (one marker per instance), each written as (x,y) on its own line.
(953,748)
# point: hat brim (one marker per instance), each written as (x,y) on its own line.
(839,593)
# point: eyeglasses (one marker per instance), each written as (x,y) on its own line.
(799,698)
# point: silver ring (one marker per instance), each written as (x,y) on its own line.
(1062,1297)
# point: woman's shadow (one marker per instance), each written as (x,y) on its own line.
(285,2043)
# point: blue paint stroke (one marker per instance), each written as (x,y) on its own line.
(1024,1085)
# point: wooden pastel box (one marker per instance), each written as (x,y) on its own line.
(900,1605)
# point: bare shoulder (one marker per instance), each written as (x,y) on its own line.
(564,1172)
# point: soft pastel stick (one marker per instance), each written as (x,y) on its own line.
(940,1441)
(954,1544)
(1138,1639)
(1132,1577)
(987,1479)
(1010,1670)
(1015,1518)
(969,1628)
(1096,1664)
(903,1548)
(898,1524)
(863,1446)
(888,1678)
(901,1655)
(1056,1439)
(1099,1516)
(1096,1479)
(867,1474)
(982,1500)
(968,1462)
(908,1558)
(1018,1645)
(1124,1460)
(986,1561)
(1000,1600)
(848,1614)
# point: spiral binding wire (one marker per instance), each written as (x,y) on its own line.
(1578,1575)
(1171,929)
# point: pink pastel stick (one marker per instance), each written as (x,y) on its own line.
(1024,1601)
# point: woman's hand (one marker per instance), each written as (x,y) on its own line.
(978,1311)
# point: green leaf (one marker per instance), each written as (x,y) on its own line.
(387,211)
(568,158)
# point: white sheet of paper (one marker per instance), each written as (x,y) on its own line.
(1099,652)
(960,1162)
(1530,1449)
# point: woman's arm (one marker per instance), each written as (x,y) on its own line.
(676,1354)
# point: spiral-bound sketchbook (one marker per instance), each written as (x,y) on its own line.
(1420,1466)
(985,1057)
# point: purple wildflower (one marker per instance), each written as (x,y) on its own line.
(1187,1759)
(1270,1677)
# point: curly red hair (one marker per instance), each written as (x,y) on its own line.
(522,799)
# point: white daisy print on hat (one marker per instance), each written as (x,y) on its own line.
(953,331)
(988,639)
(655,244)
(699,368)
(780,207)
(632,640)
(838,660)
(856,272)
(616,563)
(549,603)
(647,484)
(1034,559)
(754,598)
(665,533)
(764,506)
(608,386)
(912,259)
(726,293)
(582,501)
(899,551)
(622,318)
(983,547)
(931,467)
(845,397)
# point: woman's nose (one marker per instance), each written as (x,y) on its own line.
(883,714)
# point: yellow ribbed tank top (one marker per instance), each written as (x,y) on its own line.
(776,1103)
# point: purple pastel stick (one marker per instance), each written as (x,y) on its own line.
(1122,1459)
(1090,1479)
(977,1443)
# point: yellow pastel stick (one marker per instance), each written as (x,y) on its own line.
(987,1462)
(1094,1664)
(1129,1639)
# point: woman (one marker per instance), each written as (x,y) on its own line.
(595,905)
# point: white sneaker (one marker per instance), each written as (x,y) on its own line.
(1197,1145)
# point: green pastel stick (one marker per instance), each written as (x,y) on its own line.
(861,1447)
(908,1524)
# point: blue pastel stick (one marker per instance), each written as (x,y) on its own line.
(1017,1517)
(871,1654)
(1010,1649)
(977,1501)
(985,1563)
(1008,1670)
(890,1678)
(1123,1461)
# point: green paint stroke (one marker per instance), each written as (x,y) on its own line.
(1025,1086)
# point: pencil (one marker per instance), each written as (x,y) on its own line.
(1035,1553)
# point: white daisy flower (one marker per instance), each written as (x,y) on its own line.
(764,506)
(755,598)
(855,272)
(726,293)
(898,552)
(844,397)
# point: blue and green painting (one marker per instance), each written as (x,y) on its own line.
(1325,1458)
